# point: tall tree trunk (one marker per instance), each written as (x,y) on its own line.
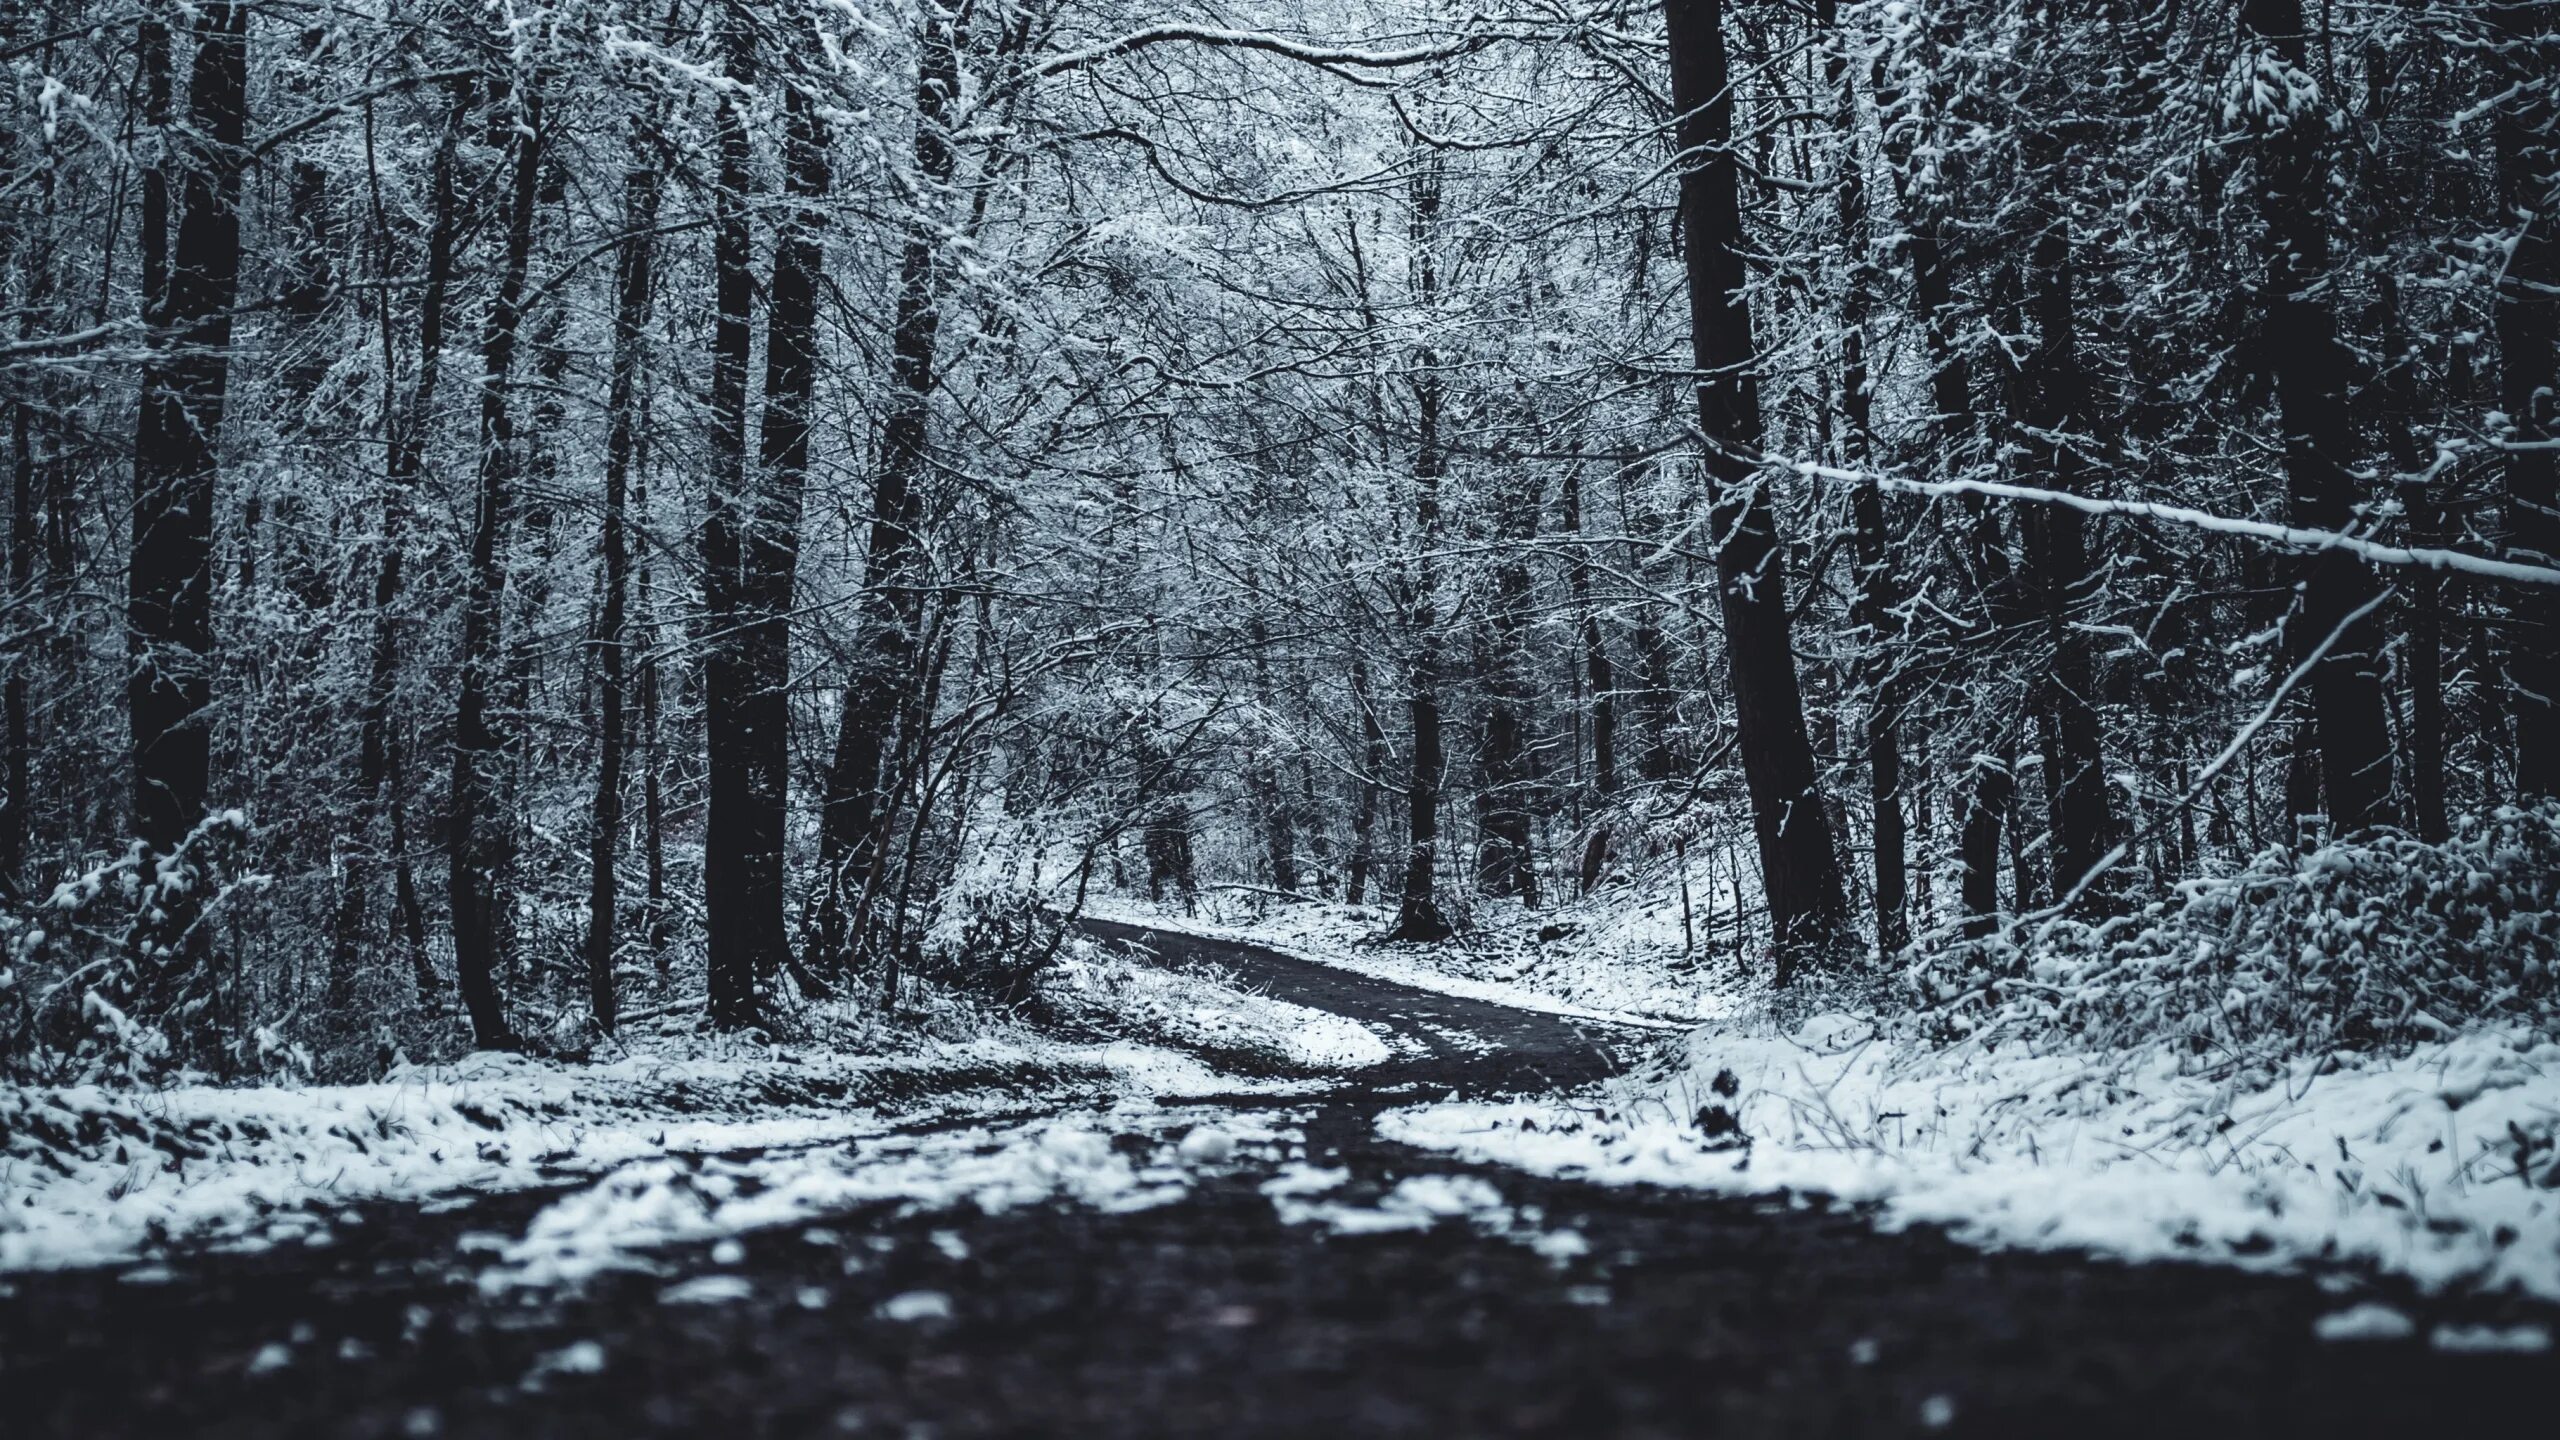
(17,771)
(735,929)
(2311,371)
(2526,311)
(1505,861)
(1799,865)
(657,915)
(17,766)
(1878,585)
(1373,765)
(475,834)
(381,784)
(1418,914)
(852,842)
(1604,685)
(632,283)
(169,614)
(773,543)
(2055,405)
(1262,771)
(2426,522)
(1989,782)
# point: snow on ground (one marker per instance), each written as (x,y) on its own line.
(1203,1011)
(1340,936)
(1130,1156)
(91,1176)
(2438,1165)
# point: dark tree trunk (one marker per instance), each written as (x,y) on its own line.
(17,767)
(1604,685)
(1595,650)
(1988,794)
(632,282)
(1311,813)
(1262,773)
(735,928)
(852,842)
(1800,868)
(19,773)
(1373,766)
(1418,914)
(476,835)
(381,784)
(2426,521)
(1505,862)
(1988,783)
(2311,372)
(657,916)
(2526,312)
(169,614)
(749,701)
(1878,584)
(2055,405)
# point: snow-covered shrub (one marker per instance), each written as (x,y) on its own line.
(113,975)
(1004,940)
(2371,943)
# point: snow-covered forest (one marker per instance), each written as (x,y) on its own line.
(2012,546)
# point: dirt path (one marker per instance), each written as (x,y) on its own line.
(1213,1316)
(1474,1047)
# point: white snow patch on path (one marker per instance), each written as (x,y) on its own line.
(2411,1165)
(251,1167)
(1394,969)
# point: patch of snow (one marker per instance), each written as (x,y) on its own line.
(584,1357)
(916,1305)
(2371,1320)
(1202,1010)
(96,1176)
(618,1221)
(1207,1143)
(2411,1164)
(2492,1339)
(1326,937)
(707,1290)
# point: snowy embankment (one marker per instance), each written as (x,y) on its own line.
(1336,935)
(1206,1013)
(2438,1165)
(93,1175)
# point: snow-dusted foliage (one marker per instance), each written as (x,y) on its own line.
(113,974)
(2375,942)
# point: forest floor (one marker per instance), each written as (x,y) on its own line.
(1159,1254)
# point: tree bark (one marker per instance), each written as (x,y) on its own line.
(475,834)
(1879,586)
(1418,915)
(632,285)
(2426,521)
(1799,865)
(2526,314)
(189,303)
(2311,372)
(1506,865)
(2056,406)
(1604,686)
(1373,764)
(852,842)
(740,937)
(381,784)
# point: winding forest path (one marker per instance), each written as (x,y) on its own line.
(1219,1315)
